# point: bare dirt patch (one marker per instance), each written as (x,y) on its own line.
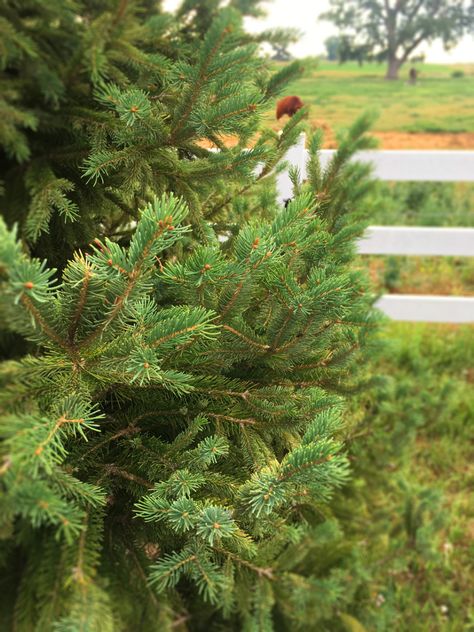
(406,140)
(442,140)
(387,140)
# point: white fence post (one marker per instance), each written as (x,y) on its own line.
(296,156)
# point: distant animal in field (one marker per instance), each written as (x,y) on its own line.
(289,106)
(413,76)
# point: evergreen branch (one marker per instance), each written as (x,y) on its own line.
(240,285)
(124,432)
(175,334)
(213,391)
(81,303)
(281,79)
(234,296)
(281,331)
(222,68)
(248,340)
(118,306)
(313,365)
(141,248)
(210,585)
(57,426)
(233,113)
(213,211)
(295,384)
(84,494)
(36,315)
(285,476)
(297,338)
(167,571)
(120,11)
(6,465)
(55,595)
(198,85)
(266,572)
(180,621)
(143,576)
(79,574)
(97,165)
(56,516)
(111,468)
(236,420)
(309,323)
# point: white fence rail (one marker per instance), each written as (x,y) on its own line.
(408,165)
(414,240)
(415,165)
(428,309)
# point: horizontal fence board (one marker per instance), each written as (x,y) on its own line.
(389,164)
(428,309)
(416,165)
(414,240)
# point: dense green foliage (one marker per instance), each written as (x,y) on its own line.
(176,451)
(105,104)
(171,412)
(213,457)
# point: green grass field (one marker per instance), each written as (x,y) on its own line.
(412,460)
(438,103)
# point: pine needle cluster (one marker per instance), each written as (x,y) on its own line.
(104,104)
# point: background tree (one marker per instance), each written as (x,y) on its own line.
(351,50)
(392,30)
(280,40)
(332,45)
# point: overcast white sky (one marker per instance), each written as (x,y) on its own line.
(302,14)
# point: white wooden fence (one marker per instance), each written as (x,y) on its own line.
(408,165)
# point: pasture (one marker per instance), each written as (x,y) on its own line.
(437,112)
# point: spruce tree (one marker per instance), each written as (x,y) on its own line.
(172,427)
(176,429)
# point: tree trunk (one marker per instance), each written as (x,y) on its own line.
(393,68)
